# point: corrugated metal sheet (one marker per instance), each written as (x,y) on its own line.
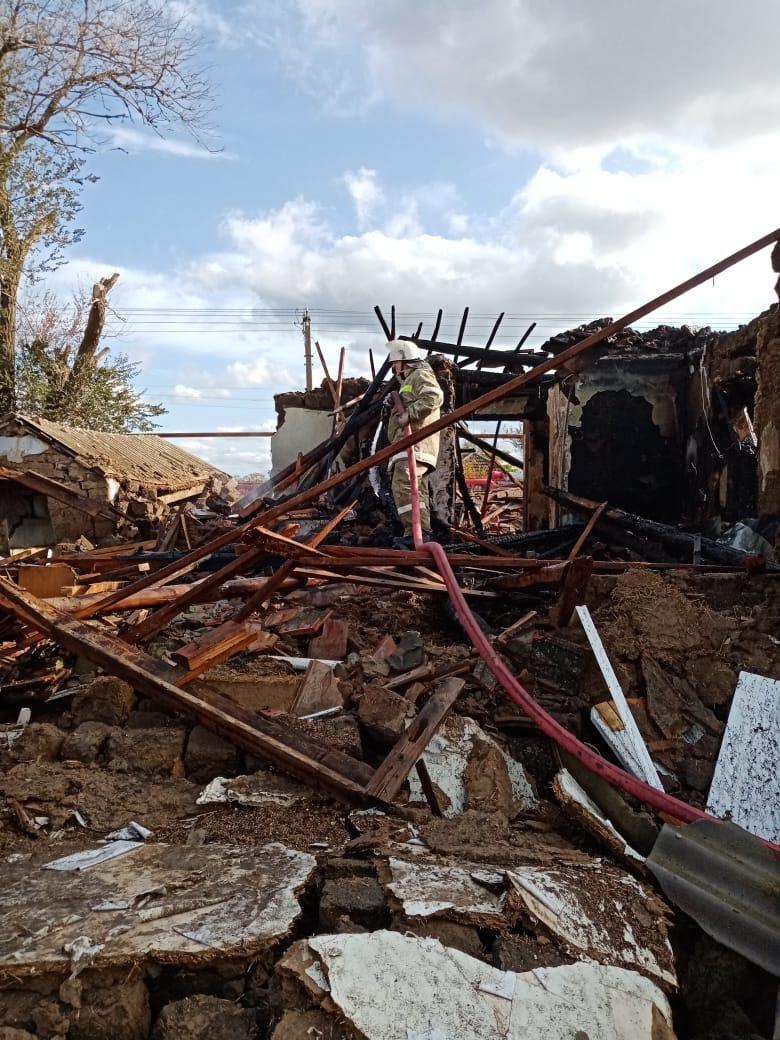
(152,461)
(728,881)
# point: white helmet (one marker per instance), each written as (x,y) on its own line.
(402,350)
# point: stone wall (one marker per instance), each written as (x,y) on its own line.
(24,514)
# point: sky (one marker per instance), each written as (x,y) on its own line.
(555,161)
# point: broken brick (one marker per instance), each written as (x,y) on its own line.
(331,643)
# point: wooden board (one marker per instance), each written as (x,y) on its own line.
(46,581)
(573,588)
(628,745)
(217,645)
(746,784)
(392,773)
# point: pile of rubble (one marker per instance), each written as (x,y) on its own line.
(192,889)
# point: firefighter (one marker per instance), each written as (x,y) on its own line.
(422,400)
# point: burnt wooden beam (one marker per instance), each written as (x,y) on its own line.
(381,319)
(437,326)
(515,360)
(525,336)
(485,351)
(669,536)
(461,330)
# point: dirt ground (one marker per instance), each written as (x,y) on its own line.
(677,645)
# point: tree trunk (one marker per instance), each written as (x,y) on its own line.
(87,349)
(9,288)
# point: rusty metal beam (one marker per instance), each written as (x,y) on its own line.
(508,388)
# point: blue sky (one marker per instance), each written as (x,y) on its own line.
(429,154)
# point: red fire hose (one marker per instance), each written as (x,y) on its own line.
(659,800)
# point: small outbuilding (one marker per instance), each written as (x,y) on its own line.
(118,479)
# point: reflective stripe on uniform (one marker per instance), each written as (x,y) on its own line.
(426,458)
(403,509)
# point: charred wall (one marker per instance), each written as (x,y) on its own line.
(616,431)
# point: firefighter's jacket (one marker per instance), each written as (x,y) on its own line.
(422,397)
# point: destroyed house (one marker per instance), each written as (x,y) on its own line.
(275,776)
(49,471)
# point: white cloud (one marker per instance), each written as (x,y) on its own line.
(137,141)
(185,393)
(261,371)
(182,392)
(579,237)
(366,193)
(545,73)
(236,457)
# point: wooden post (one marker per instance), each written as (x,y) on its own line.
(535,503)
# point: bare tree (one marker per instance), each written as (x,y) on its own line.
(65,373)
(69,70)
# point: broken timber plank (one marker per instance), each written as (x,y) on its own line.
(154,597)
(573,588)
(503,637)
(221,642)
(294,753)
(402,583)
(389,778)
(199,591)
(305,622)
(275,582)
(746,784)
(593,520)
(638,761)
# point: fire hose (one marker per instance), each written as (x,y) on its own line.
(664,803)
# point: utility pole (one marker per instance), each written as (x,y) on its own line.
(306,324)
